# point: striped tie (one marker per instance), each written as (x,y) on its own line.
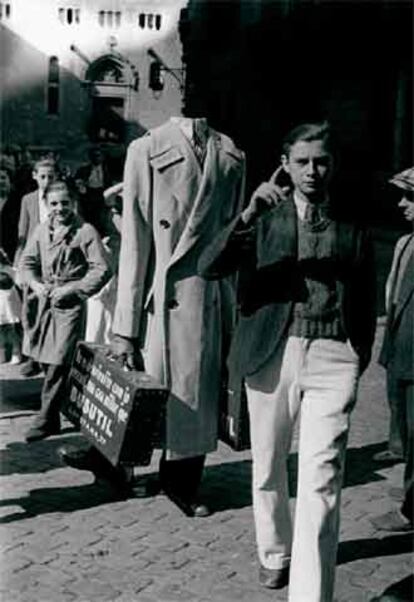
(200,136)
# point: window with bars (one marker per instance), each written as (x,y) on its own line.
(53,86)
(109,18)
(149,21)
(69,16)
(5,10)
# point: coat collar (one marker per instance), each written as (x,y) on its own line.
(64,234)
(172,156)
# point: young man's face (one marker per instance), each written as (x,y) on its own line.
(406,204)
(310,166)
(44,175)
(60,206)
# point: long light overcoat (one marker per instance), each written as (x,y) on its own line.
(172,209)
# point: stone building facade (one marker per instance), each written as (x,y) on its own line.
(79,72)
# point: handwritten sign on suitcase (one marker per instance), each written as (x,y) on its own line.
(120,412)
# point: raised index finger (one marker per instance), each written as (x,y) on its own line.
(273,178)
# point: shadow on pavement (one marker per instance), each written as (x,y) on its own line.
(403,590)
(58,499)
(31,458)
(358,549)
(360,467)
(227,486)
(20,394)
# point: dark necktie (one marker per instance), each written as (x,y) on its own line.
(200,136)
(312,214)
(315,218)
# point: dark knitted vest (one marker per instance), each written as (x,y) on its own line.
(317,314)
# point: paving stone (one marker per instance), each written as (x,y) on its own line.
(57,527)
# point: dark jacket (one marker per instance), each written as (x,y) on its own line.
(269,284)
(84,172)
(397,348)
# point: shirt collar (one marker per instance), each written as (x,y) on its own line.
(300,205)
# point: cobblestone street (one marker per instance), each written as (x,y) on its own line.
(66,539)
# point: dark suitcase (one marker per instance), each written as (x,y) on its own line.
(234,429)
(121,413)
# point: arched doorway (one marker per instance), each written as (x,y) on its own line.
(110,81)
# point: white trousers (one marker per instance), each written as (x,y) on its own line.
(319,378)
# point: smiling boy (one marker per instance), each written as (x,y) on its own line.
(63,263)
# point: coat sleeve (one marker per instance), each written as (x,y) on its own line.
(99,271)
(233,247)
(136,240)
(393,271)
(29,262)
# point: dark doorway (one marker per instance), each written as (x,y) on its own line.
(107,122)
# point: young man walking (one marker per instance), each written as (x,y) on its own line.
(303,339)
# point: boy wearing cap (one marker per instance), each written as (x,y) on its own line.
(397,351)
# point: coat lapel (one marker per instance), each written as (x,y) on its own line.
(277,234)
(221,163)
(202,203)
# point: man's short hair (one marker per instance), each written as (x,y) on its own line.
(45,162)
(61,186)
(308,132)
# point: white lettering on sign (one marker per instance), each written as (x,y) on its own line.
(117,390)
(95,415)
(122,415)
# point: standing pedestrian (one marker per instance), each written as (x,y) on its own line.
(397,353)
(33,211)
(182,182)
(62,264)
(303,339)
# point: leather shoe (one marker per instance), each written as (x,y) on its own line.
(116,476)
(92,460)
(199,510)
(78,458)
(393,522)
(37,433)
(192,509)
(273,578)
(387,456)
(30,368)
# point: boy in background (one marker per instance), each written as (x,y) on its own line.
(33,211)
(63,264)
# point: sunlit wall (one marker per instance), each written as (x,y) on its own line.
(77,33)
